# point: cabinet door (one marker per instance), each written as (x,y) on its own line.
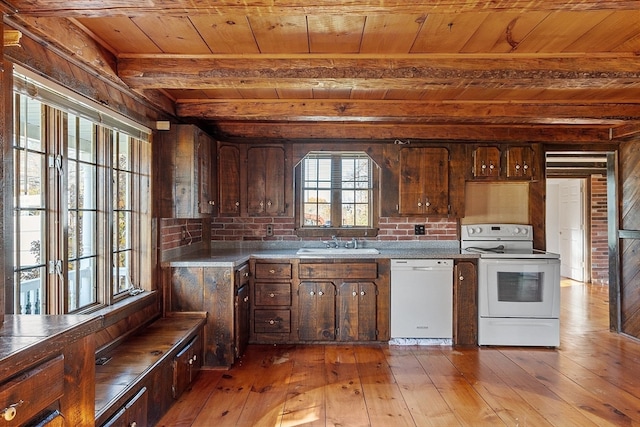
(317,311)
(424,181)
(134,413)
(183,366)
(266,181)
(520,162)
(205,170)
(357,311)
(242,320)
(229,180)
(465,290)
(486,162)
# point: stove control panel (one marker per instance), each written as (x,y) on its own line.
(496,232)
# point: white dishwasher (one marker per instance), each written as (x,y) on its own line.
(422,298)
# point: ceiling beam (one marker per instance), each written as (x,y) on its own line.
(104,8)
(401,72)
(415,111)
(392,131)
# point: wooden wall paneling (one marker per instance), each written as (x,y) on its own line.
(218,302)
(78,403)
(187,292)
(629,243)
(630,286)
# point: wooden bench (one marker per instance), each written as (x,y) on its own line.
(154,364)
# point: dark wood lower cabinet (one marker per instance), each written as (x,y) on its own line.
(133,414)
(317,311)
(186,365)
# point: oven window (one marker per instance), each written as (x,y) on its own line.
(520,286)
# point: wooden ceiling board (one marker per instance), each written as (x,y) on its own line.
(121,34)
(187,93)
(560,30)
(257,93)
(612,32)
(390,33)
(226,34)
(501,32)
(320,93)
(335,34)
(172,34)
(280,34)
(447,33)
(375,94)
(225,93)
(302,93)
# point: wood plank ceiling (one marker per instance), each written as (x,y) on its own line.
(564,71)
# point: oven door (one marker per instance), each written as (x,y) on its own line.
(525,288)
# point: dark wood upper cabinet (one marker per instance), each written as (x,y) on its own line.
(424,181)
(500,162)
(185,173)
(266,181)
(229,168)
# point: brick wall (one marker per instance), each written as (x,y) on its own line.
(391,229)
(599,242)
(179,232)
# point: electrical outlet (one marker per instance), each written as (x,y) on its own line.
(184,232)
(419,229)
(269,230)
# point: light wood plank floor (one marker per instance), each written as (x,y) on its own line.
(591,380)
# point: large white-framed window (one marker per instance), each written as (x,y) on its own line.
(78,207)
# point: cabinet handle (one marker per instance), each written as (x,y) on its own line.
(355,293)
(461,278)
(133,424)
(10,412)
(320,293)
(419,204)
(272,271)
(212,203)
(269,203)
(272,295)
(312,293)
(272,322)
(517,167)
(246,299)
(427,204)
(362,293)
(261,204)
(195,357)
(191,361)
(246,274)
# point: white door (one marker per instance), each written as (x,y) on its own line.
(571,225)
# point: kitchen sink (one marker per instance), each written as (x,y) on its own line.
(337,251)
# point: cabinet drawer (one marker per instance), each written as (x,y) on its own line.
(327,271)
(273,293)
(32,391)
(273,271)
(272,321)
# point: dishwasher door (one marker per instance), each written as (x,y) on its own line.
(422,298)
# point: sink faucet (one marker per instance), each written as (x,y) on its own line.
(334,243)
(353,244)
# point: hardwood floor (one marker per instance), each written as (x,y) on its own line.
(590,380)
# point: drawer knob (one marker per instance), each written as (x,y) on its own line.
(355,293)
(362,293)
(10,412)
(320,293)
(272,322)
(272,271)
(272,295)
(461,278)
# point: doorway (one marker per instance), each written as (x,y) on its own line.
(566,229)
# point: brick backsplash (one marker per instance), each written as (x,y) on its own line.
(171,232)
(391,229)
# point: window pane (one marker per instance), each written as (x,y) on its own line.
(30,286)
(342,179)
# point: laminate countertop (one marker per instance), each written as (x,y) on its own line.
(228,256)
